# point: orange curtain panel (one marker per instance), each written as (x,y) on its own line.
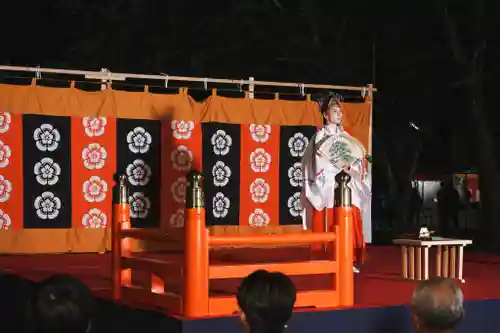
(61,148)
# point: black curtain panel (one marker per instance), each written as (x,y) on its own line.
(138,157)
(293,144)
(46,171)
(221,168)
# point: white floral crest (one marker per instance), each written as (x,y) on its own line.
(5,121)
(94,219)
(295,175)
(94,126)
(221,142)
(139,205)
(298,144)
(47,171)
(47,206)
(221,205)
(177,219)
(294,205)
(182,158)
(138,173)
(178,189)
(182,129)
(221,174)
(259,190)
(258,218)
(46,137)
(139,140)
(5,221)
(5,189)
(260,133)
(95,189)
(260,160)
(5,153)
(94,156)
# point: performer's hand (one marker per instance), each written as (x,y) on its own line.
(346,167)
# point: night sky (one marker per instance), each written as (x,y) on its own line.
(404,47)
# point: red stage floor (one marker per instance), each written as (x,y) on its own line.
(378,284)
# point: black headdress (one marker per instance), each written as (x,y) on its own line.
(325,101)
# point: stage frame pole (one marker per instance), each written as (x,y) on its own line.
(108,77)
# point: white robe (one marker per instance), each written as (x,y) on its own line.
(319,173)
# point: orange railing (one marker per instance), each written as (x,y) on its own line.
(181,285)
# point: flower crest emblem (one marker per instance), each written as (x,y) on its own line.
(298,144)
(94,219)
(94,156)
(182,158)
(5,121)
(260,160)
(46,137)
(47,171)
(294,205)
(221,142)
(5,220)
(260,133)
(220,205)
(95,189)
(177,219)
(221,173)
(259,190)
(178,189)
(182,129)
(5,153)
(139,205)
(47,206)
(94,126)
(295,175)
(139,140)
(138,173)
(258,218)
(5,189)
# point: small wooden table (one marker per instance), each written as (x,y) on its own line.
(412,251)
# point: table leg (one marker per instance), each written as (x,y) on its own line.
(412,262)
(418,264)
(453,261)
(439,256)
(461,263)
(404,261)
(426,263)
(446,265)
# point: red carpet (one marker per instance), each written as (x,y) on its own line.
(378,284)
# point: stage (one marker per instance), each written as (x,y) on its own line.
(380,295)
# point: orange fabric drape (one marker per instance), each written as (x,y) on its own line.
(17,100)
(72,102)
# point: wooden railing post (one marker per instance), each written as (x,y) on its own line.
(196,290)
(121,220)
(344,220)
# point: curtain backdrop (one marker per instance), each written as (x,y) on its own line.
(61,147)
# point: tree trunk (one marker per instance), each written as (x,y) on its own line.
(471,68)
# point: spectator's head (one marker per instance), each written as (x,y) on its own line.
(64,305)
(437,305)
(16,295)
(266,301)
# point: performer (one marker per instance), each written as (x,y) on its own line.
(331,150)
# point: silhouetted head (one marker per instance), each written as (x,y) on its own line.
(331,108)
(16,295)
(437,305)
(266,301)
(64,305)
